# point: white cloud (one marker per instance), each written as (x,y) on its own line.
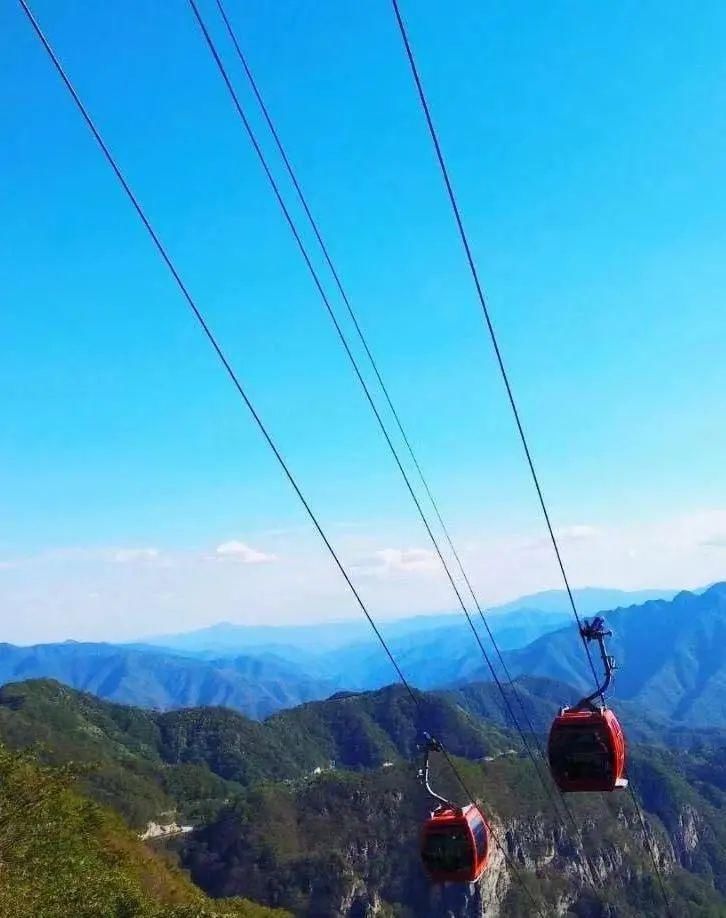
(716,540)
(243,553)
(578,532)
(125,555)
(50,595)
(398,561)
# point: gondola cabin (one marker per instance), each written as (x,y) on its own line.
(587,750)
(455,844)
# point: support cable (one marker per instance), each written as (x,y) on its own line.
(488,320)
(363,339)
(651,849)
(505,376)
(344,343)
(399,424)
(231,373)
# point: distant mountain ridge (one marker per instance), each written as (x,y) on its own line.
(348,654)
(670,655)
(520,621)
(163,680)
(265,677)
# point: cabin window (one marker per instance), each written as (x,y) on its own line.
(581,753)
(449,851)
(480,839)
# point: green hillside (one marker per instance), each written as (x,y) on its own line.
(363,730)
(279,824)
(116,751)
(670,658)
(63,855)
(145,763)
(343,843)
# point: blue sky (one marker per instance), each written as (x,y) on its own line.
(588,148)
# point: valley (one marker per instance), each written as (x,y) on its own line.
(313,808)
(316,810)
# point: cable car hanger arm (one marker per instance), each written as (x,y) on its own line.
(596,631)
(431,745)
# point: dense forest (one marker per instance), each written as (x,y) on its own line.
(316,811)
(62,854)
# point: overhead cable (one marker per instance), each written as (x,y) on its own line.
(384,389)
(505,376)
(368,396)
(488,321)
(231,373)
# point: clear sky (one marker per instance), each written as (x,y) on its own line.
(588,147)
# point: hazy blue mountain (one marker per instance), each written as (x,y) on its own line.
(226,638)
(589,600)
(257,686)
(348,653)
(514,626)
(670,654)
(262,669)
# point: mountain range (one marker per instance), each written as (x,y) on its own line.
(514,624)
(671,664)
(158,679)
(258,670)
(278,823)
(314,807)
(670,657)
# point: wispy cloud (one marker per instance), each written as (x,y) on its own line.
(78,554)
(245,554)
(57,592)
(126,555)
(387,561)
(578,532)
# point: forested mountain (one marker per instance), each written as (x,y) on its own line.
(259,670)
(346,844)
(278,824)
(670,656)
(358,730)
(63,855)
(146,763)
(156,679)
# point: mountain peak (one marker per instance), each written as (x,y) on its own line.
(716,589)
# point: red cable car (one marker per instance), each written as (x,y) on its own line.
(455,844)
(586,745)
(454,840)
(587,750)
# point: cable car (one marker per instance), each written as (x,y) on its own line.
(454,840)
(586,747)
(455,844)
